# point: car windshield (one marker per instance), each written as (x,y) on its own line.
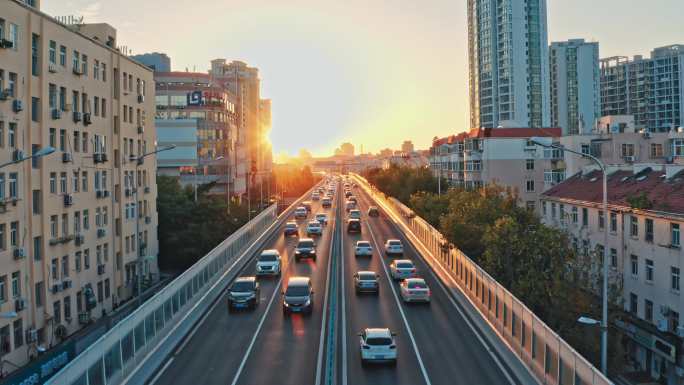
(367,276)
(378,341)
(404,265)
(394,243)
(363,244)
(305,244)
(268,258)
(320,216)
(417,285)
(291,225)
(242,286)
(297,291)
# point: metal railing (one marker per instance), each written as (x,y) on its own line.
(119,353)
(548,357)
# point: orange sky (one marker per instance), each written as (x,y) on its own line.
(371,72)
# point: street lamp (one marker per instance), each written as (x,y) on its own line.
(38,154)
(588,321)
(138,163)
(547,142)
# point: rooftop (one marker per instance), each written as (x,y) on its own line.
(663,189)
(519,132)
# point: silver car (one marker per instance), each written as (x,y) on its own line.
(402,269)
(415,290)
(268,263)
(377,345)
(366,281)
(363,248)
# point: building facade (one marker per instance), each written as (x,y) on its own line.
(157,61)
(651,89)
(508,63)
(646,216)
(254,159)
(500,155)
(575,79)
(76,226)
(190,103)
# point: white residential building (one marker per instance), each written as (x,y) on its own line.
(508,63)
(575,79)
(644,230)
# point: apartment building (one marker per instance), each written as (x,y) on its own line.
(508,63)
(253,159)
(505,156)
(616,141)
(200,118)
(78,225)
(646,216)
(575,79)
(156,60)
(651,89)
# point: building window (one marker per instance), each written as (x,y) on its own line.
(627,149)
(544,208)
(674,231)
(553,210)
(57,311)
(613,258)
(35,50)
(674,273)
(16,287)
(574,214)
(649,270)
(529,164)
(13,186)
(648,310)
(529,186)
(613,222)
(67,308)
(53,183)
(3,289)
(648,236)
(18,333)
(633,299)
(634,226)
(678,147)
(62,55)
(14,234)
(40,286)
(585,216)
(35,109)
(656,150)
(635,265)
(601,220)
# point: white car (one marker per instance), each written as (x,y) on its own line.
(268,263)
(394,246)
(363,249)
(350,205)
(314,228)
(315,196)
(415,290)
(301,212)
(377,345)
(355,214)
(402,269)
(322,218)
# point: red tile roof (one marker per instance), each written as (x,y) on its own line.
(521,132)
(666,195)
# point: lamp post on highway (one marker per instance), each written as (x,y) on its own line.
(139,161)
(546,142)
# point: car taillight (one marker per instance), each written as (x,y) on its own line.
(429,292)
(413,270)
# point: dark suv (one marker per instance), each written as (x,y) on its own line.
(243,293)
(354,226)
(306,248)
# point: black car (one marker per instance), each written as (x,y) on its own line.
(373,211)
(243,293)
(354,226)
(306,248)
(298,296)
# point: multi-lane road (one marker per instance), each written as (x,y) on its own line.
(435,343)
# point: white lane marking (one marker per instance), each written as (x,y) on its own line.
(401,310)
(159,374)
(256,333)
(344,313)
(458,309)
(319,361)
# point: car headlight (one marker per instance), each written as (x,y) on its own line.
(308,302)
(286,304)
(298,252)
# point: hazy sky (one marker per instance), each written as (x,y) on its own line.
(371,72)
